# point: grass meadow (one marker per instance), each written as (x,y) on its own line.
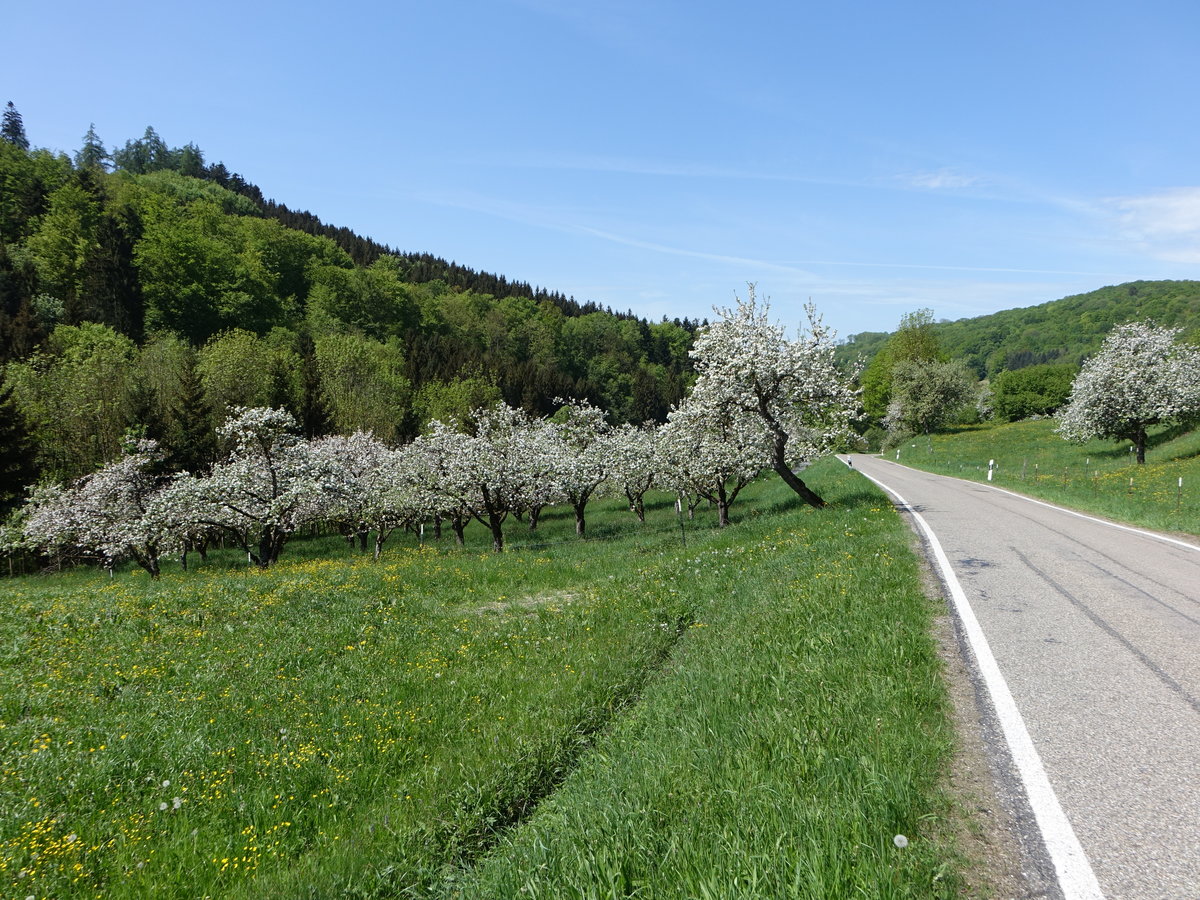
(757,712)
(1099,476)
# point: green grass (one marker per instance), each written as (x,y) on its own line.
(756,713)
(1098,476)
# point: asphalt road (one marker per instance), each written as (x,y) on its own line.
(1097,633)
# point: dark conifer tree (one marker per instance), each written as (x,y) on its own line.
(190,440)
(191,161)
(92,154)
(24,333)
(17,453)
(144,412)
(313,414)
(110,278)
(13,127)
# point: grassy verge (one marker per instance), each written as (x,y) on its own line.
(756,713)
(1098,476)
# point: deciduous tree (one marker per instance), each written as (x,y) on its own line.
(927,394)
(1140,377)
(793,388)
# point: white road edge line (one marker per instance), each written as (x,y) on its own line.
(1071,865)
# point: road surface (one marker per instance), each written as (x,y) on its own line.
(1096,633)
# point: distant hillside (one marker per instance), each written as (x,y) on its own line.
(1061,331)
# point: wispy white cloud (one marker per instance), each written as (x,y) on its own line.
(941,180)
(1166,225)
(617,165)
(738,261)
(573,222)
(942,267)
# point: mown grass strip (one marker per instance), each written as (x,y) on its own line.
(1099,476)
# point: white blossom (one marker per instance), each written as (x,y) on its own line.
(633,466)
(802,401)
(580,454)
(110,513)
(1140,377)
(712,451)
(270,485)
(504,467)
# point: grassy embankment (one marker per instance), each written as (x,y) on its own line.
(756,714)
(1099,476)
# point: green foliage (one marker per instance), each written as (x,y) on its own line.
(455,400)
(161,184)
(363,385)
(372,300)
(76,394)
(1068,330)
(239,368)
(28,180)
(914,341)
(1062,332)
(12,129)
(1032,391)
(928,394)
(65,240)
(92,154)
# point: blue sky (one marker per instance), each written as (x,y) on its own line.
(876,157)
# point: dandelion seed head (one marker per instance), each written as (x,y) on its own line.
(900,841)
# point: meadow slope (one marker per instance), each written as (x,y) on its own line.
(759,711)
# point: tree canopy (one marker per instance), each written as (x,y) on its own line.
(1142,376)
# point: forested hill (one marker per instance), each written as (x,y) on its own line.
(1061,331)
(170,278)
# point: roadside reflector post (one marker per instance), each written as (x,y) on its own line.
(991,466)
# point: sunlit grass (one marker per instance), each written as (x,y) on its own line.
(1098,476)
(758,709)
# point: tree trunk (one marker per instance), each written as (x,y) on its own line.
(1140,439)
(495,522)
(437,527)
(722,506)
(780,464)
(535,516)
(362,541)
(580,523)
(459,525)
(792,480)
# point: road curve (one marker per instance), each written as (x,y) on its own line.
(1096,631)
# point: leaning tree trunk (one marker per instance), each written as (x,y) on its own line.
(1140,443)
(790,478)
(779,462)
